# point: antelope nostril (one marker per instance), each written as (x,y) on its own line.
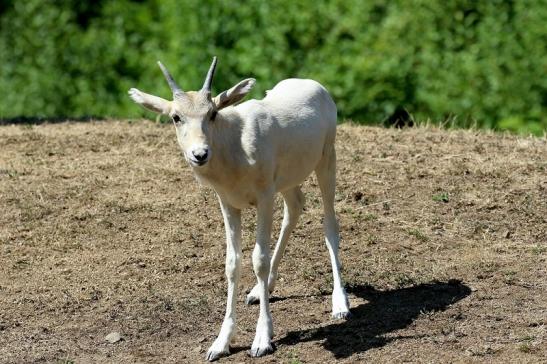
(200,155)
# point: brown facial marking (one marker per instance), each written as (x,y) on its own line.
(194,104)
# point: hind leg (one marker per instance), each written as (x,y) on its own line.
(326,177)
(293,205)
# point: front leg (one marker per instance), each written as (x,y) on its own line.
(232,224)
(262,343)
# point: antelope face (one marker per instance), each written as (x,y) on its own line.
(193,112)
(193,115)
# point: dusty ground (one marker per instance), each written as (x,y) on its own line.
(103,228)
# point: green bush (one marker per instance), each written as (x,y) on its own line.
(474,62)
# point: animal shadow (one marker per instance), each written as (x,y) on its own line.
(385,312)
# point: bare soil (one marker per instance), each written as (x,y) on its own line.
(104,229)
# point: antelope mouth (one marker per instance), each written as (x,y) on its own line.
(195,163)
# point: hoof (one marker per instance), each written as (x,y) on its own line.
(254,296)
(215,355)
(343,315)
(252,300)
(257,352)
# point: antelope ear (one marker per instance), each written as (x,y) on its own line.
(235,94)
(151,102)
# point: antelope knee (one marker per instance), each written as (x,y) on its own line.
(261,261)
(232,266)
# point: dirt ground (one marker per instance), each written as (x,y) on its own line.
(104,229)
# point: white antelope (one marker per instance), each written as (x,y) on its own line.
(247,153)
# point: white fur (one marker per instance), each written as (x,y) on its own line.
(257,149)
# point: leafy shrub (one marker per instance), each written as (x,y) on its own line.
(480,62)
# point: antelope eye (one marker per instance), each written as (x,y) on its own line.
(213,115)
(176,118)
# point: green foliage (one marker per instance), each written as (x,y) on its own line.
(418,235)
(483,62)
(440,197)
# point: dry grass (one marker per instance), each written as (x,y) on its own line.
(102,228)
